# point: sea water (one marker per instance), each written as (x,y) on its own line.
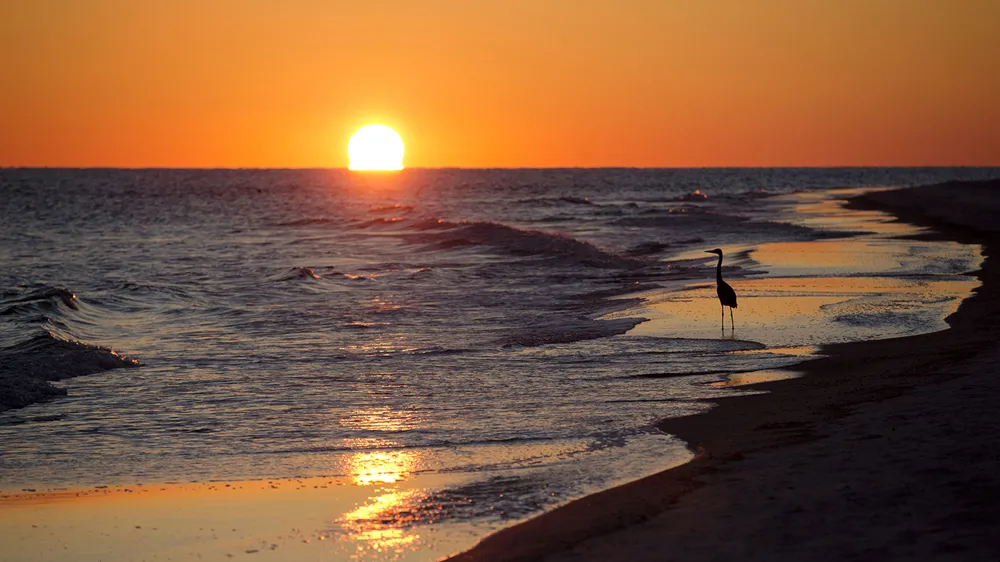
(519,331)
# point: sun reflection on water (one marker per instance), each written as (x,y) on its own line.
(384,523)
(382,509)
(380,467)
(386,539)
(382,418)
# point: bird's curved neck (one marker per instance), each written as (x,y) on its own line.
(718,269)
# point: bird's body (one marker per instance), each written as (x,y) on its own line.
(727,296)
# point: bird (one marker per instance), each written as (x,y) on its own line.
(727,296)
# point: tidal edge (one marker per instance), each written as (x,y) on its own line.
(614,523)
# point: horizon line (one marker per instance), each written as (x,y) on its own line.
(433,168)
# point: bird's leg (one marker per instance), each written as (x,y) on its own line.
(731,321)
(723,310)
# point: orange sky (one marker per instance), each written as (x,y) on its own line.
(259,83)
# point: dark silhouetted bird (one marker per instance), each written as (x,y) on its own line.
(727,296)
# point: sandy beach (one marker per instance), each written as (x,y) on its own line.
(882,450)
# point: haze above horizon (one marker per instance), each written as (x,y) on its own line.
(559,83)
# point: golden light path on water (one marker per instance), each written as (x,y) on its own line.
(377,525)
(382,537)
(380,467)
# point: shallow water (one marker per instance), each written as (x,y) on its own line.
(516,331)
(867,286)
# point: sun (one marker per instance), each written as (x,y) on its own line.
(375,147)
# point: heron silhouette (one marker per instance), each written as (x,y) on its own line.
(727,296)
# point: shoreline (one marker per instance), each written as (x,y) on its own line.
(792,411)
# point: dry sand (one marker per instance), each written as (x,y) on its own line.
(884,450)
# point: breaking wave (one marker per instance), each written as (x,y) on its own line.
(29,362)
(445,234)
(27,367)
(50,357)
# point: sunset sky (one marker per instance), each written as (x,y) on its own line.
(500,83)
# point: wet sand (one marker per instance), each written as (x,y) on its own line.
(882,450)
(287,519)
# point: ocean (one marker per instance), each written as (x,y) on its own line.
(516,333)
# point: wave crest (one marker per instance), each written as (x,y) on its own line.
(513,240)
(49,357)
(27,367)
(42,299)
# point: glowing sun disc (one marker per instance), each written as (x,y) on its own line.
(375,147)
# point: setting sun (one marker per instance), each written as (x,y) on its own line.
(375,147)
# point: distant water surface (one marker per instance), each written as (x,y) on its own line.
(296,323)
